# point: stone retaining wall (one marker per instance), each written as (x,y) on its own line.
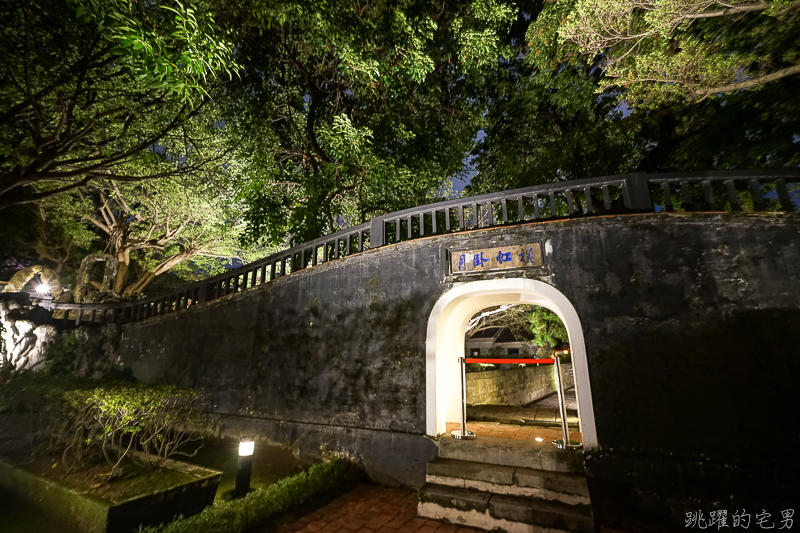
(673,309)
(514,386)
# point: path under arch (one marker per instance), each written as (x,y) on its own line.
(445,344)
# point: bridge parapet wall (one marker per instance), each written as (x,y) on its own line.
(690,323)
(758,190)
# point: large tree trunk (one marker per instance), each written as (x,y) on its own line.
(165,266)
(143,281)
(124,259)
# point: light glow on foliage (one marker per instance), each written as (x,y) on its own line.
(43,288)
(665,51)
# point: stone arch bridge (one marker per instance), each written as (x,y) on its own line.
(680,292)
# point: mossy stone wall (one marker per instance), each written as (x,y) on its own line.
(514,386)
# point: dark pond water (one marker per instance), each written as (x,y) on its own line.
(269,463)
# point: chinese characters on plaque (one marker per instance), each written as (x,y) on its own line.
(503,257)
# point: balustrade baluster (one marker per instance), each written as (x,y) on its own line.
(521,205)
(606,198)
(433,221)
(505,210)
(447,219)
(568,195)
(476,216)
(587,196)
(758,198)
(783,196)
(421,224)
(708,192)
(536,214)
(686,195)
(667,193)
(461,218)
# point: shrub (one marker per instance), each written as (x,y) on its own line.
(158,420)
(60,357)
(238,515)
(80,418)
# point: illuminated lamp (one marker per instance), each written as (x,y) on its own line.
(244,467)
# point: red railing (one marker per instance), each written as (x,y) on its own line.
(511,361)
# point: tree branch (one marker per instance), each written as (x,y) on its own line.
(749,83)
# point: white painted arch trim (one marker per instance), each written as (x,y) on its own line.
(445,344)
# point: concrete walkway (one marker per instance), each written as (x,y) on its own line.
(371,508)
(551,400)
(516,431)
(540,413)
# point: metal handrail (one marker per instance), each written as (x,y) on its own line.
(565,199)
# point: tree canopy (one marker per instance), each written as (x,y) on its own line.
(104,89)
(354,109)
(570,105)
(666,50)
(541,325)
(275,121)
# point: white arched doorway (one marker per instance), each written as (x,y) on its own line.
(445,344)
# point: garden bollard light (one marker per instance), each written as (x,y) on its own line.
(246,446)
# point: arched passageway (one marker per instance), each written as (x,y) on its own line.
(445,344)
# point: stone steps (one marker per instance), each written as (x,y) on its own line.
(513,514)
(512,452)
(507,485)
(510,480)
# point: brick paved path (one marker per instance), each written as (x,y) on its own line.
(372,508)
